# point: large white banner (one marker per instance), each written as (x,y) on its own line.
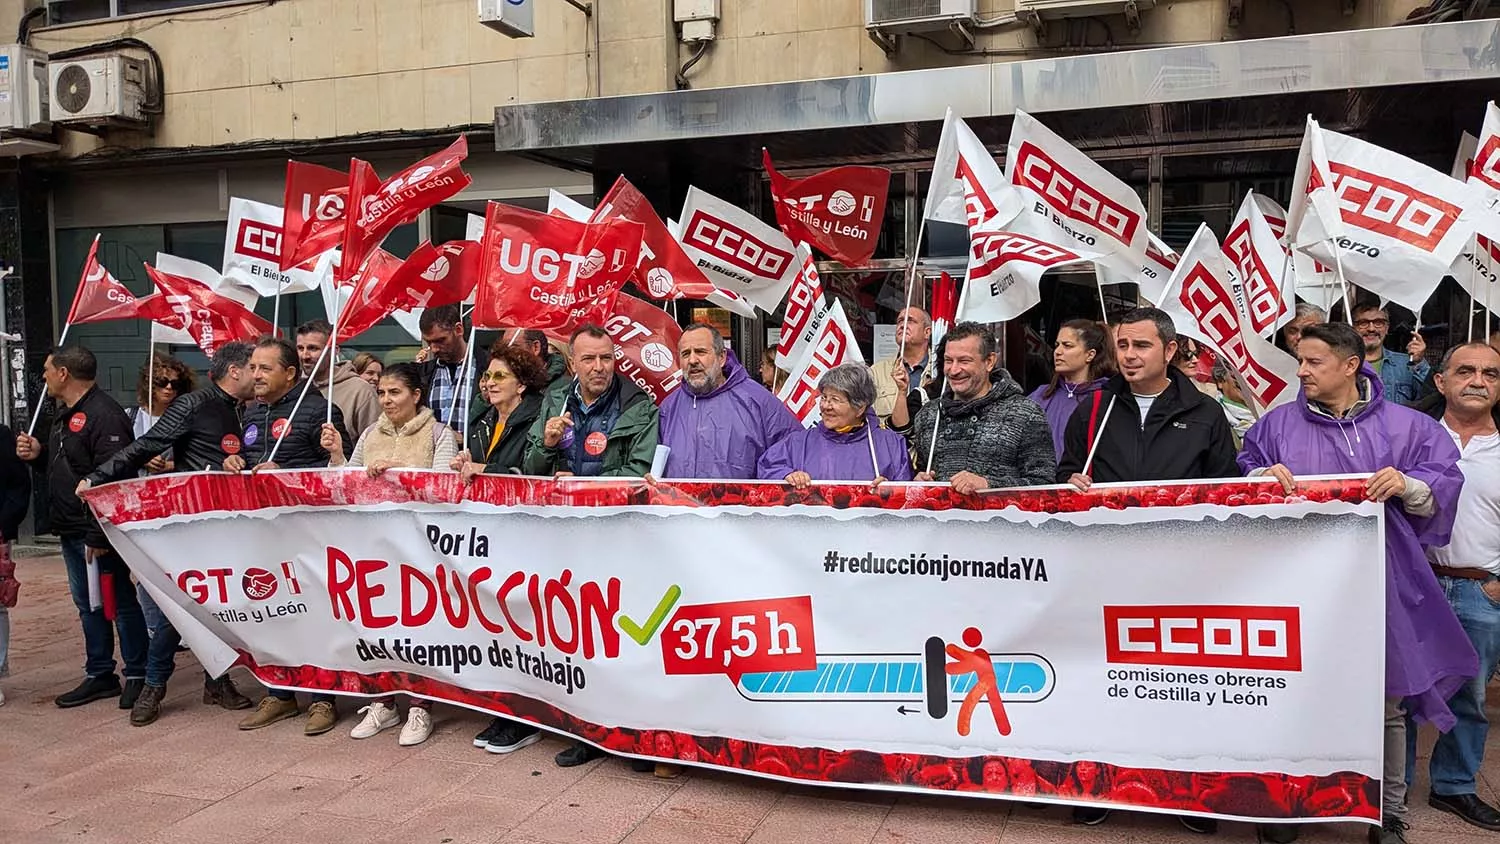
(905,638)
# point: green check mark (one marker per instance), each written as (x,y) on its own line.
(642,633)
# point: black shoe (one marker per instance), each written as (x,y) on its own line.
(1469,807)
(132,691)
(90,690)
(147,706)
(1202,826)
(1392,832)
(222,692)
(642,766)
(494,728)
(1277,833)
(1090,815)
(513,737)
(577,754)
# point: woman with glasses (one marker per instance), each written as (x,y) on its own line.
(847,444)
(170,378)
(512,388)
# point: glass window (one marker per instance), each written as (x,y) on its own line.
(73,11)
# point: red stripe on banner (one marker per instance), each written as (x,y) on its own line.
(160,496)
(1340,796)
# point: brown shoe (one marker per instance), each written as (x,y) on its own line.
(270,710)
(321,716)
(222,692)
(667,771)
(147,706)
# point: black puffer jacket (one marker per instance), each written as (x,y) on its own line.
(81,438)
(1186,436)
(511,450)
(201,428)
(301,446)
(1002,436)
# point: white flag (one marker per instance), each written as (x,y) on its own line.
(1200,300)
(1005,274)
(563,205)
(834,345)
(1397,225)
(720,298)
(1484,170)
(967,186)
(252,252)
(1266,292)
(806,311)
(736,251)
(204,275)
(1071,201)
(1152,276)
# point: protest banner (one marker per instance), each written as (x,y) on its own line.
(905,638)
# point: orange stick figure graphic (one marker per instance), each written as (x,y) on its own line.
(976,660)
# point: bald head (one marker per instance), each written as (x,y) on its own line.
(914,333)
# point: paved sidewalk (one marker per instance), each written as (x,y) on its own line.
(86,775)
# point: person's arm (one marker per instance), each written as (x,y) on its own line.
(1075,442)
(775,462)
(642,447)
(117,457)
(540,459)
(344,438)
(444,446)
(356,457)
(1035,452)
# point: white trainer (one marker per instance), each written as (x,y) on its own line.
(418,727)
(378,717)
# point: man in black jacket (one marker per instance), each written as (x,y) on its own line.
(1149,423)
(87,428)
(15,499)
(444,354)
(275,415)
(202,429)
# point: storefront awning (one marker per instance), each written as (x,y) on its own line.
(1459,52)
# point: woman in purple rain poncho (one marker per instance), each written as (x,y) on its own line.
(1342,424)
(847,444)
(1082,362)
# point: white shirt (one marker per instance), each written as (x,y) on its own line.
(1144,403)
(1476,525)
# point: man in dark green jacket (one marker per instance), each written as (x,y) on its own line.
(598,424)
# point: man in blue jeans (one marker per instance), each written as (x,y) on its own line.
(86,428)
(1467,568)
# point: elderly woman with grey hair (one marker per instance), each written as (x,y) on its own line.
(847,444)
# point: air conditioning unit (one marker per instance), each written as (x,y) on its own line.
(1036,11)
(514,18)
(23,88)
(899,17)
(98,89)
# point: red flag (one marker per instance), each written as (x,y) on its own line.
(377,208)
(645,345)
(101,297)
(313,208)
(432,276)
(546,272)
(839,210)
(211,319)
(665,270)
(944,309)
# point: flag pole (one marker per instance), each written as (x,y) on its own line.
(271,458)
(36,414)
(331,348)
(150,372)
(1338,263)
(1474,300)
(276,310)
(464,378)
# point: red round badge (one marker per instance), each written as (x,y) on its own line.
(77,422)
(258,584)
(278,428)
(230,444)
(594,444)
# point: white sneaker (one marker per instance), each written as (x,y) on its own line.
(418,727)
(378,717)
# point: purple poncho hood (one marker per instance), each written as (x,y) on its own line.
(831,456)
(723,434)
(1428,655)
(1060,405)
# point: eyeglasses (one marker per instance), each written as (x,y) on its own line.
(496,377)
(1371,323)
(833,399)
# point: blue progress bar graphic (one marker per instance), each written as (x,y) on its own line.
(1022,678)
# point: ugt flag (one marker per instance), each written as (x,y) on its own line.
(839,210)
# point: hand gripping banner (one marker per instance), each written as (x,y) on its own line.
(905,638)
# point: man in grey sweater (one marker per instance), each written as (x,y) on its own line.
(988,434)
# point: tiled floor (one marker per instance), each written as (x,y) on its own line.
(86,775)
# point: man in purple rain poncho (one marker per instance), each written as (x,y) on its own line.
(846,444)
(719,422)
(1342,424)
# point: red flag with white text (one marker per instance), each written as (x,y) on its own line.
(100,296)
(835,344)
(839,210)
(645,345)
(1200,299)
(377,208)
(430,277)
(313,207)
(665,270)
(547,272)
(210,318)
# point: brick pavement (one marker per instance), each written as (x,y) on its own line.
(86,775)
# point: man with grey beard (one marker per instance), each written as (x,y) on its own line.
(719,421)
